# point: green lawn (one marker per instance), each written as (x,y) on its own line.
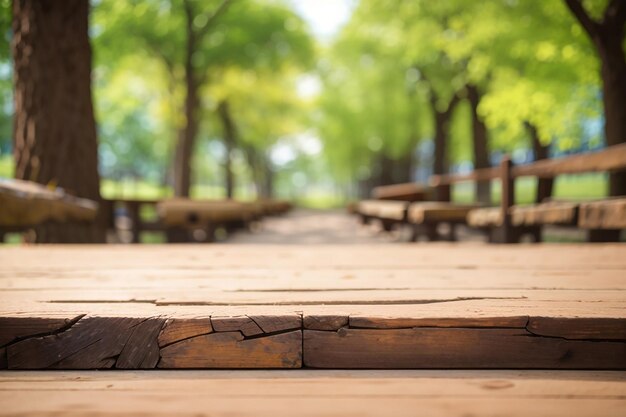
(575,187)
(571,187)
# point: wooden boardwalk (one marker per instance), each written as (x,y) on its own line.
(291,306)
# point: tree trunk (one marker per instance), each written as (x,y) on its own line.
(385,170)
(480,144)
(230,139)
(268,179)
(608,37)
(442,130)
(54,128)
(188,133)
(614,98)
(544,185)
(403,168)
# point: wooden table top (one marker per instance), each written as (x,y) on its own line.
(566,300)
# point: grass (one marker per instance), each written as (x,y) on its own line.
(566,187)
(6,166)
(575,187)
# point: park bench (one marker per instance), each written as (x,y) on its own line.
(26,204)
(126,214)
(603,219)
(186,220)
(389,203)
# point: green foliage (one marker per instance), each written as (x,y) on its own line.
(531,61)
(247,51)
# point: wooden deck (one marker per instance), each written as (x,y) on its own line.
(314,393)
(280,306)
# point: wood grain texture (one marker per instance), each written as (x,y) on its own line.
(232,350)
(175,330)
(91,343)
(314,393)
(223,306)
(455,348)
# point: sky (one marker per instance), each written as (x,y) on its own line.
(325,17)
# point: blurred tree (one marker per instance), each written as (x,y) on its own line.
(256,108)
(194,41)
(6,79)
(54,127)
(607,35)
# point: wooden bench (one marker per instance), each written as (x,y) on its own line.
(26,204)
(603,219)
(389,204)
(188,220)
(409,191)
(425,218)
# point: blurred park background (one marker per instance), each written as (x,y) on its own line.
(319,101)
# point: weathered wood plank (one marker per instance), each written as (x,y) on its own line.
(608,159)
(91,343)
(560,213)
(370,322)
(579,328)
(176,330)
(12,329)
(232,350)
(404,192)
(148,301)
(26,203)
(420,213)
(452,348)
(605,214)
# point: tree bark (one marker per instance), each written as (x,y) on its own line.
(193,80)
(189,131)
(54,127)
(480,144)
(608,37)
(442,130)
(230,140)
(540,151)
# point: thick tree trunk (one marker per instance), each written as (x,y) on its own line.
(614,98)
(189,131)
(230,140)
(442,129)
(608,37)
(480,145)
(544,185)
(54,127)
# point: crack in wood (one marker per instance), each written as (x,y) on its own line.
(6,325)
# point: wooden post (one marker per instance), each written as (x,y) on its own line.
(507,199)
(133,214)
(443,193)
